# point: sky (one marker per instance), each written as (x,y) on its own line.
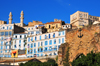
(46,10)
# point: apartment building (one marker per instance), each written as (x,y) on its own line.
(6,38)
(54,26)
(46,44)
(80,18)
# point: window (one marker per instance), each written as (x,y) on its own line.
(55,47)
(41,43)
(49,26)
(15,46)
(28,45)
(6,43)
(59,33)
(54,41)
(41,54)
(1,47)
(2,33)
(3,27)
(54,35)
(37,32)
(45,36)
(19,41)
(50,42)
(20,36)
(34,50)
(11,28)
(6,47)
(9,42)
(59,41)
(1,42)
(49,35)
(1,51)
(15,36)
(38,44)
(7,27)
(50,48)
(28,28)
(31,38)
(63,33)
(62,40)
(6,33)
(55,53)
(24,36)
(28,39)
(32,32)
(45,48)
(35,38)
(40,37)
(5,51)
(34,44)
(9,47)
(10,33)
(46,42)
(1,38)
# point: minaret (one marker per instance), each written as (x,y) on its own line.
(10,18)
(21,18)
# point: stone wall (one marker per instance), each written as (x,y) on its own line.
(89,41)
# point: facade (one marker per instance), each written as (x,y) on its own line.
(46,44)
(79,18)
(19,40)
(6,31)
(6,38)
(82,19)
(33,30)
(54,26)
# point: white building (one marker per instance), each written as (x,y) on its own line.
(19,40)
(6,31)
(45,44)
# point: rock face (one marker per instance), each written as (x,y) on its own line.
(88,42)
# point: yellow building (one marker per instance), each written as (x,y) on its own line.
(54,26)
(2,22)
(34,23)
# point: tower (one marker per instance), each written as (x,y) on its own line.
(10,18)
(21,18)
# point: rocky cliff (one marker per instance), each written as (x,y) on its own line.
(80,42)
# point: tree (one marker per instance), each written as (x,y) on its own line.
(48,63)
(91,59)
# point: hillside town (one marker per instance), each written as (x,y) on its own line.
(20,43)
